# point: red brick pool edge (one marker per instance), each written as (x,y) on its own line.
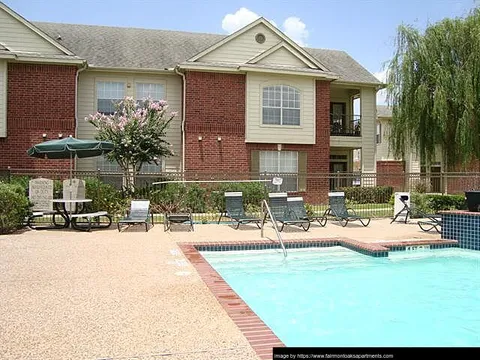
(260,336)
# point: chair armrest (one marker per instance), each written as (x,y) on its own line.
(353,212)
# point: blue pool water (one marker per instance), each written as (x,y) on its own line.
(337,297)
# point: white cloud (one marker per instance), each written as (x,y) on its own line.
(243,17)
(293,27)
(381,94)
(296,29)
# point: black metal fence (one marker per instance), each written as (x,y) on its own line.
(369,194)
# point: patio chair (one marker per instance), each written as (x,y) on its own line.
(297,205)
(340,212)
(139,213)
(235,211)
(433,222)
(178,218)
(283,214)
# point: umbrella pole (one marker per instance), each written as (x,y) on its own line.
(71,174)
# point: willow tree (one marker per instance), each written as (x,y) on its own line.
(434,90)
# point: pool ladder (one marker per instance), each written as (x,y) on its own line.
(266,210)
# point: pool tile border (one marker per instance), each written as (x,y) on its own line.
(259,335)
(261,338)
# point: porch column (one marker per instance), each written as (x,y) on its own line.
(368,112)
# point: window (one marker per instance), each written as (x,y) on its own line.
(104,165)
(109,94)
(281,105)
(108,166)
(154,91)
(378,135)
(284,163)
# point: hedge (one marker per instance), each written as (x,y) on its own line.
(368,195)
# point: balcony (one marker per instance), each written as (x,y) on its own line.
(345,125)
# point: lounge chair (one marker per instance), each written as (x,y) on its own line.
(178,218)
(235,211)
(433,222)
(340,212)
(297,205)
(139,214)
(283,214)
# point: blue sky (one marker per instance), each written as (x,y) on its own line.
(363,28)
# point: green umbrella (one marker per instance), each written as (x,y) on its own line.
(70,147)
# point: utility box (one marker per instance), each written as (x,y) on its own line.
(399,210)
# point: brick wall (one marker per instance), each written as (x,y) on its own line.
(40,99)
(215,107)
(391,173)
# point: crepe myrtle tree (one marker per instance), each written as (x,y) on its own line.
(138,132)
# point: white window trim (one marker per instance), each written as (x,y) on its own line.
(147,81)
(283,83)
(278,165)
(99,80)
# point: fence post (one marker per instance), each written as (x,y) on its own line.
(444,183)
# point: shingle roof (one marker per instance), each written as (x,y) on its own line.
(133,48)
(384,111)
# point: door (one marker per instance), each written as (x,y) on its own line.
(435,179)
(337,181)
(337,118)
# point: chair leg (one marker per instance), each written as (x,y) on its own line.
(305,227)
(363,223)
(322,221)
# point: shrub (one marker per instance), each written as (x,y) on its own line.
(168,198)
(105,197)
(14,206)
(195,198)
(368,195)
(447,202)
(253,194)
(430,204)
(420,204)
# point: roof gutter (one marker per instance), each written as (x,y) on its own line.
(178,72)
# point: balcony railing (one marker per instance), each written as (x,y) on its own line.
(345,125)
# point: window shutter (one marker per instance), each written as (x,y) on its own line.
(255,164)
(302,171)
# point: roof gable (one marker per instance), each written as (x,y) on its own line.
(20,36)
(242,46)
(282,54)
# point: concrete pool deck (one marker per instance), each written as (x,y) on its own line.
(132,295)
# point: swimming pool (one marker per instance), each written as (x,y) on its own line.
(333,296)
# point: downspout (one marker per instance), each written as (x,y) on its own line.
(83,68)
(178,72)
(79,70)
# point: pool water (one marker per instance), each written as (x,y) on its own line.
(337,297)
